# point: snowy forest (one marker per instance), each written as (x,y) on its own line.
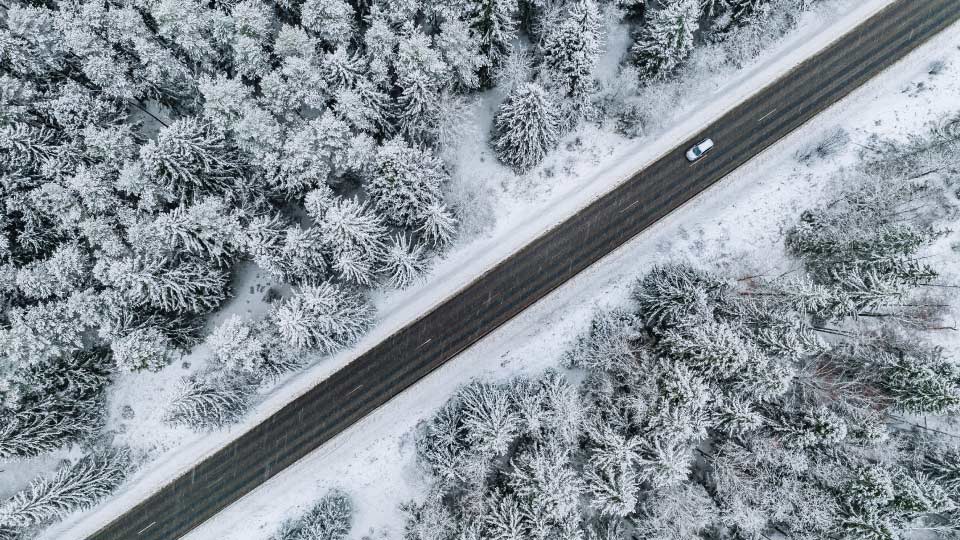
(151,148)
(816,404)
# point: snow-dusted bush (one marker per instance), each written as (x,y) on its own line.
(830,144)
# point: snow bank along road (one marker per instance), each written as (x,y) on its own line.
(530,274)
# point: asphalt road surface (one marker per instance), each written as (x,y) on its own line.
(530,274)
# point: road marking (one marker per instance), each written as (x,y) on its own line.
(355,389)
(766,115)
(431,339)
(147,527)
(634,203)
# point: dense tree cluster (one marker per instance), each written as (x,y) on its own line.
(722,408)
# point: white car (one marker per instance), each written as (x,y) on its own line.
(699,149)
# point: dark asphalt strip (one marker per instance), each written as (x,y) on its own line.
(515,284)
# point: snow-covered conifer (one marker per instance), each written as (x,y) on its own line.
(461,51)
(313,155)
(206,402)
(349,225)
(331,20)
(669,295)
(570,50)
(489,420)
(207,228)
(41,332)
(324,317)
(72,487)
(421,72)
(404,182)
(503,518)
(192,158)
(403,262)
(189,286)
(684,511)
(144,348)
(613,489)
(494,22)
(62,273)
(429,520)
(526,127)
(606,343)
(666,39)
(252,346)
(439,225)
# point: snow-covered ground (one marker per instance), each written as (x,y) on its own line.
(374,459)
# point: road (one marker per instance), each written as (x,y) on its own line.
(530,274)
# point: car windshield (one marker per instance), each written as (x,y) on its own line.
(696,151)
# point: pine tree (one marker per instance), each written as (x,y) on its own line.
(192,158)
(570,50)
(494,22)
(670,295)
(677,513)
(53,402)
(313,155)
(666,39)
(461,52)
(66,270)
(489,421)
(403,262)
(917,379)
(323,317)
(428,521)
(330,20)
(503,519)
(349,226)
(439,225)
(144,348)
(526,127)
(606,343)
(252,346)
(71,488)
(405,182)
(421,73)
(613,489)
(208,229)
(206,402)
(189,286)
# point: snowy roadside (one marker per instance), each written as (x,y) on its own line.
(519,219)
(742,216)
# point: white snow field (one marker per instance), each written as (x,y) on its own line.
(373,460)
